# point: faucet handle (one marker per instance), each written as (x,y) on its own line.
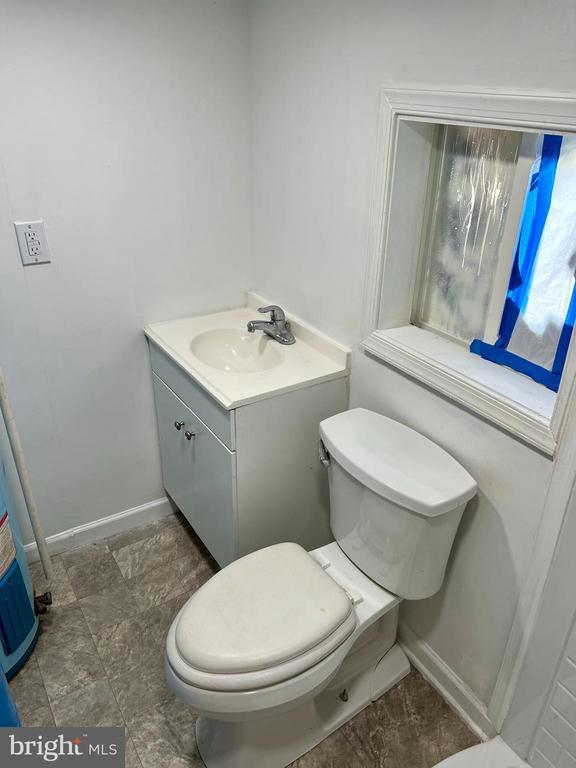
(277,312)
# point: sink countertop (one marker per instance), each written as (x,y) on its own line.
(312,359)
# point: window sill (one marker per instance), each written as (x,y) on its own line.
(507,398)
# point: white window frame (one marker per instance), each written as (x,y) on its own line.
(514,402)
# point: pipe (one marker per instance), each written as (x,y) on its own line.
(22,469)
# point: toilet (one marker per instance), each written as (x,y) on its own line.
(283,646)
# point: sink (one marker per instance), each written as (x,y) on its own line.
(238,368)
(237,351)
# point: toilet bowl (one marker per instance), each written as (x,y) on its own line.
(284,646)
(276,688)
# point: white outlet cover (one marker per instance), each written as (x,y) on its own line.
(32,242)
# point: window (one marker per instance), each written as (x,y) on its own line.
(472,179)
(471,281)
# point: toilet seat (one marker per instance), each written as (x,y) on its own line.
(262,678)
(264,619)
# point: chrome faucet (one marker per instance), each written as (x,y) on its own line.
(277,327)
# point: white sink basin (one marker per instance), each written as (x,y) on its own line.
(230,349)
(236,367)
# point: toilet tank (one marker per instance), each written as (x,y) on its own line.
(396,500)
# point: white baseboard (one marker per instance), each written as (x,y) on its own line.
(458,695)
(103,527)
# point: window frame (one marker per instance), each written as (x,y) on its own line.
(523,408)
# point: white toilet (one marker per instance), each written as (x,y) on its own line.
(283,646)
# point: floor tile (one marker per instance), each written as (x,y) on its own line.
(92,705)
(64,624)
(65,671)
(60,587)
(164,737)
(140,690)
(132,653)
(123,539)
(160,618)
(166,543)
(131,756)
(91,569)
(108,607)
(38,718)
(66,653)
(127,647)
(411,725)
(27,688)
(169,580)
(336,752)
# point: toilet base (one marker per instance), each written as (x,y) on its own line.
(276,741)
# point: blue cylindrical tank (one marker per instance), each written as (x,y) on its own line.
(8,713)
(18,623)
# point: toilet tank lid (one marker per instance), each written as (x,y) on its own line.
(396,462)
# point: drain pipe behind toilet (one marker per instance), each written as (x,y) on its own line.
(22,469)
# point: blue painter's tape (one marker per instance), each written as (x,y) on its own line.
(536,209)
(504,357)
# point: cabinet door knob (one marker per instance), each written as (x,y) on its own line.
(189,435)
(178,424)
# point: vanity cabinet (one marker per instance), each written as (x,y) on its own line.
(250,476)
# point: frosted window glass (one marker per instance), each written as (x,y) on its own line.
(473,180)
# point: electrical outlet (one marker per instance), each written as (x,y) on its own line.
(32,242)
(31,235)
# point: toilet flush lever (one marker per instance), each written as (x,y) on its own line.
(323,455)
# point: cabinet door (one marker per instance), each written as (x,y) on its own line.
(218,420)
(199,473)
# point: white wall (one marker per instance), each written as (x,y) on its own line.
(316,66)
(123,124)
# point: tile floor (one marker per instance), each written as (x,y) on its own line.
(99,661)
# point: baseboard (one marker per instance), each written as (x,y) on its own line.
(457,694)
(103,527)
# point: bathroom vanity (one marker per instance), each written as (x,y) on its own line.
(238,418)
